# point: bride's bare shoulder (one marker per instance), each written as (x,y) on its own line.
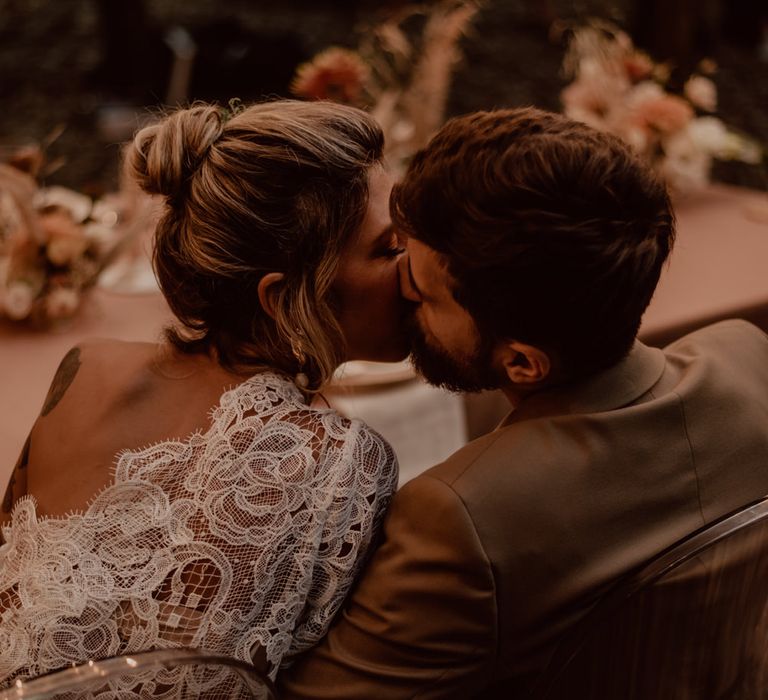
(100,363)
(107,349)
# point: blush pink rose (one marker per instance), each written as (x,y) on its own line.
(638,66)
(702,92)
(62,302)
(663,112)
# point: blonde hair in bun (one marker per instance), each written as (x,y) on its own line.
(280,186)
(165,155)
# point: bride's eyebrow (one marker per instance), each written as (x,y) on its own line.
(384,236)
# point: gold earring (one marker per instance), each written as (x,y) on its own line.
(301,379)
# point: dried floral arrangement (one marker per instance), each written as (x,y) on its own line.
(55,242)
(620,89)
(401,72)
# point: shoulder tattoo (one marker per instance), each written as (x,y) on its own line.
(8,499)
(21,465)
(65,375)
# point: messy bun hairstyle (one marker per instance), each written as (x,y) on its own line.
(277,187)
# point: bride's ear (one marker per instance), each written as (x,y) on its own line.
(269,287)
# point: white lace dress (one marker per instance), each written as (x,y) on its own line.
(243,540)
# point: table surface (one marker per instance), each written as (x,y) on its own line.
(718,267)
(717,270)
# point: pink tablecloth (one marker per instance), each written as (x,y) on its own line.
(719,266)
(719,269)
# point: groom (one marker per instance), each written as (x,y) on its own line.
(534,246)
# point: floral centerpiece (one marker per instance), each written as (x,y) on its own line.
(401,72)
(54,242)
(620,89)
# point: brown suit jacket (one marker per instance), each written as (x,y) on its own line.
(490,556)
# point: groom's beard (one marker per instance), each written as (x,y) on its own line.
(463,373)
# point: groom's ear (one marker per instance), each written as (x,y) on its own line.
(268,290)
(524,364)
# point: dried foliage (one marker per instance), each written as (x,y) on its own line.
(401,72)
(56,242)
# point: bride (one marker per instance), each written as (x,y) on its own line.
(188,492)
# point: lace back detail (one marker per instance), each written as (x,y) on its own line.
(243,540)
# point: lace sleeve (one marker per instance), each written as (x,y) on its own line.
(365,479)
(243,540)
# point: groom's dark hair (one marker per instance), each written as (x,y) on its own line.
(554,233)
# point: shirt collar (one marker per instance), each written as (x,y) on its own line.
(617,386)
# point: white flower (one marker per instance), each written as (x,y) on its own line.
(686,174)
(62,302)
(644,91)
(701,92)
(711,135)
(18,300)
(685,165)
(592,99)
(77,204)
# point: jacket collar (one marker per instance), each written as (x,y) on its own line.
(617,386)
